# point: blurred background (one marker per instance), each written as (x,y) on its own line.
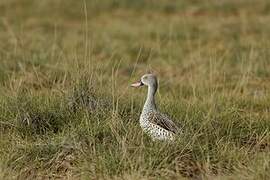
(185,40)
(179,38)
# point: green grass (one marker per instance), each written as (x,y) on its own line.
(67,111)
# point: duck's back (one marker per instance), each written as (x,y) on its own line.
(157,125)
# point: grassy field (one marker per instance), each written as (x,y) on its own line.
(67,111)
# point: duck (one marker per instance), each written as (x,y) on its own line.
(154,123)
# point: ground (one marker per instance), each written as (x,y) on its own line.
(67,110)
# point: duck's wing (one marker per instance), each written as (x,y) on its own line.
(163,121)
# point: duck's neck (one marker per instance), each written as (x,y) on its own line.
(150,100)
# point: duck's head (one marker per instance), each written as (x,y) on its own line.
(148,80)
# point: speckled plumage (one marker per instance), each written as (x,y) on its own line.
(150,126)
(155,124)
